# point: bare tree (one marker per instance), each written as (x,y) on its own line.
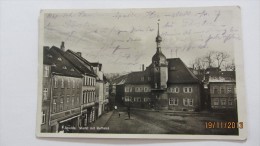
(209,58)
(199,63)
(220,58)
(230,66)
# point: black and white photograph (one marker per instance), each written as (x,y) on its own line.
(160,73)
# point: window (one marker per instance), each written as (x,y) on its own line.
(173,101)
(126,99)
(88,97)
(43,117)
(230,102)
(54,106)
(145,89)
(46,71)
(85,80)
(45,93)
(55,83)
(223,101)
(68,83)
(222,90)
(136,89)
(78,84)
(61,104)
(155,85)
(215,90)
(187,89)
(139,99)
(130,89)
(73,83)
(149,78)
(190,102)
(216,101)
(72,102)
(126,89)
(62,83)
(142,78)
(185,102)
(77,100)
(229,89)
(68,99)
(84,96)
(64,67)
(176,90)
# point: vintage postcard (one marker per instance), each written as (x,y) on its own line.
(167,73)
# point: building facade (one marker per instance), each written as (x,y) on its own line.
(62,106)
(100,87)
(222,90)
(165,84)
(88,94)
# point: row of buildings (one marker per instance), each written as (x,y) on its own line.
(74,91)
(167,83)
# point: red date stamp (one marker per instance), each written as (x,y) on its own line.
(224,125)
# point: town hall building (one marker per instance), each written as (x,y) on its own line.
(165,84)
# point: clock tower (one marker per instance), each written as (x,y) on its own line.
(159,69)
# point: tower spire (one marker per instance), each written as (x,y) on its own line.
(158,38)
(158,33)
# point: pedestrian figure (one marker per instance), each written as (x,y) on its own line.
(117,111)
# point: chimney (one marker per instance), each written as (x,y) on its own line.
(62,46)
(143,67)
(78,53)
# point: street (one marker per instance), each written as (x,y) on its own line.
(163,122)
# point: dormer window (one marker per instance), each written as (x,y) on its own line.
(59,59)
(64,67)
(49,56)
(72,69)
(172,68)
(54,65)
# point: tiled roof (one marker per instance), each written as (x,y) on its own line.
(60,65)
(46,56)
(120,80)
(178,72)
(136,77)
(79,63)
(221,76)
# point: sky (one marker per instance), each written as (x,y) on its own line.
(124,39)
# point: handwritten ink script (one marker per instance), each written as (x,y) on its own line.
(126,37)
